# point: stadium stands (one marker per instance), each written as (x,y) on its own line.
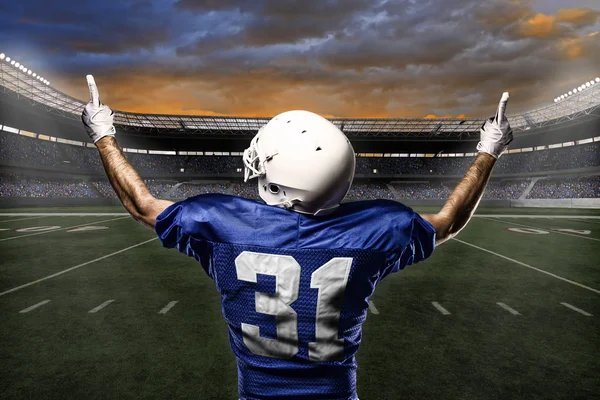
(505,189)
(12,185)
(362,191)
(186,190)
(566,188)
(29,152)
(17,148)
(248,190)
(421,190)
(157,188)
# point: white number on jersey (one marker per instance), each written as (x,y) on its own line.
(330,280)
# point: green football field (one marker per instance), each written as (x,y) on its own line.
(92,307)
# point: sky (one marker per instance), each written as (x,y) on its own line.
(345,58)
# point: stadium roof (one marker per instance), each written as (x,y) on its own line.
(23,83)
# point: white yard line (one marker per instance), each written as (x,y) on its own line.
(63,214)
(372,307)
(59,229)
(534,216)
(167,307)
(440,308)
(33,307)
(100,307)
(529,266)
(539,227)
(509,309)
(18,219)
(579,310)
(77,266)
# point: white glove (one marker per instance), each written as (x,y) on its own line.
(496,133)
(97,117)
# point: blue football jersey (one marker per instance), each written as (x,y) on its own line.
(294,288)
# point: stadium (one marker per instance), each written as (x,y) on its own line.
(94,308)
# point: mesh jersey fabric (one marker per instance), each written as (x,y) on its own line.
(294,288)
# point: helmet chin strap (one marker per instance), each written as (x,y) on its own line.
(290,205)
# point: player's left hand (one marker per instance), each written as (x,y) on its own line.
(97,117)
(496,133)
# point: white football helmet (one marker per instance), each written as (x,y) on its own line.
(303,162)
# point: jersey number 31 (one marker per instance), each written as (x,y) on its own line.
(330,280)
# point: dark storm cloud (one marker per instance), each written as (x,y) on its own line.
(99,27)
(268,22)
(344,58)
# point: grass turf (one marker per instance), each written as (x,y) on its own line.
(410,350)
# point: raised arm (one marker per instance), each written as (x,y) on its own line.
(496,135)
(129,187)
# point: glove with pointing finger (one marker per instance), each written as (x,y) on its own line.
(97,118)
(496,133)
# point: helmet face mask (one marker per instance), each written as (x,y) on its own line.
(302,161)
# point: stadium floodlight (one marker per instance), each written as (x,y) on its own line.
(12,62)
(555,100)
(17,65)
(7,59)
(588,84)
(29,72)
(34,74)
(570,92)
(597,80)
(2,55)
(48,83)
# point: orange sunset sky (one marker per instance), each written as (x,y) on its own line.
(350,58)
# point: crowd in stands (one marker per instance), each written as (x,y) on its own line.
(186,190)
(13,185)
(157,188)
(25,186)
(26,152)
(369,191)
(586,187)
(18,148)
(213,164)
(505,189)
(82,159)
(248,190)
(35,152)
(420,190)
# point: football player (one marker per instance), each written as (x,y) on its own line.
(296,272)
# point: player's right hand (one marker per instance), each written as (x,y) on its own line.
(97,117)
(496,133)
